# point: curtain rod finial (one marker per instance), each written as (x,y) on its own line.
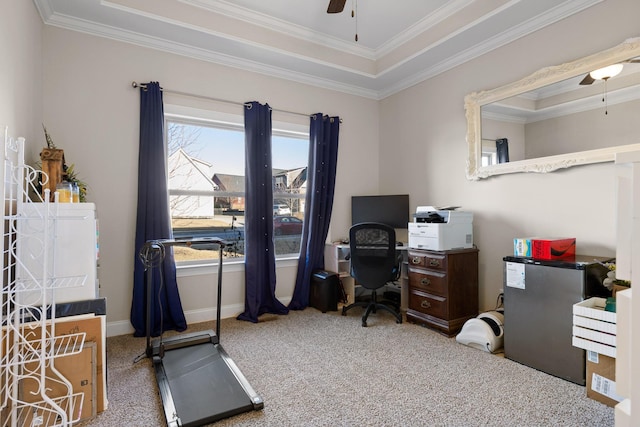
(134,84)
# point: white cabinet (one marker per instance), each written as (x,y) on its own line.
(72,251)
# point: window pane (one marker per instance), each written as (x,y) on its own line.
(206,188)
(290,156)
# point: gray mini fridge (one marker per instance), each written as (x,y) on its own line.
(538,311)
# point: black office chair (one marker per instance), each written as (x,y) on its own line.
(374,263)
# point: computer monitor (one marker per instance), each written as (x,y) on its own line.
(392,210)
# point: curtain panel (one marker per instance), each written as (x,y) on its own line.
(260,262)
(321,179)
(154,222)
(502,148)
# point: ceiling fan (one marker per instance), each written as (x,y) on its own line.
(337,6)
(606,73)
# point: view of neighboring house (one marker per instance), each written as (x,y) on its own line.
(233,185)
(187,177)
(191,182)
(293,181)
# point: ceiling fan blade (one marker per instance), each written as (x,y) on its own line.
(336,6)
(587,80)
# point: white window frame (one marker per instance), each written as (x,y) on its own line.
(225,120)
(489,152)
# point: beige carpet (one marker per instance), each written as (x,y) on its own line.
(315,369)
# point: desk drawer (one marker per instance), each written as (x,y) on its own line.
(429,281)
(428,304)
(431,260)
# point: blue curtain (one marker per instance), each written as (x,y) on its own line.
(321,179)
(259,255)
(502,148)
(154,222)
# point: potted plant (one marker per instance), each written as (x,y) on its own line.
(54,165)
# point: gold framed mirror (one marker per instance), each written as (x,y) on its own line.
(565,108)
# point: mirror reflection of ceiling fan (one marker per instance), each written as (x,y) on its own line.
(606,73)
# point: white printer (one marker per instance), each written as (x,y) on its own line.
(441,229)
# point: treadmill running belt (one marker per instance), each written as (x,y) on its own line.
(203,387)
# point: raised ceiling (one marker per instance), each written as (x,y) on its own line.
(400,43)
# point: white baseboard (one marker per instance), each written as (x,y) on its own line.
(123,327)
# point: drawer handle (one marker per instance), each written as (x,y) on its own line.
(425,281)
(415,260)
(425,304)
(434,262)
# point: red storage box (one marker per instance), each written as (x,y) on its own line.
(553,248)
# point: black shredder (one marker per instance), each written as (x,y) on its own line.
(323,294)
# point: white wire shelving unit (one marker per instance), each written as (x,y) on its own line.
(33,393)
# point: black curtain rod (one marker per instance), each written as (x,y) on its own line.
(136,85)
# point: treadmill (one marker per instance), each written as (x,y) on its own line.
(198,382)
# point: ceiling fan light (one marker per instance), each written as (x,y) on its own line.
(606,72)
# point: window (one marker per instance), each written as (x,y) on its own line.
(206,187)
(489,153)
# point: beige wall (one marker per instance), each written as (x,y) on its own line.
(20,79)
(412,142)
(422,133)
(92,112)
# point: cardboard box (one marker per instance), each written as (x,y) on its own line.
(554,248)
(544,248)
(601,379)
(94,328)
(594,329)
(618,288)
(79,369)
(522,246)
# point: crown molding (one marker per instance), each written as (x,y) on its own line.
(306,69)
(117,34)
(450,8)
(504,38)
(230,10)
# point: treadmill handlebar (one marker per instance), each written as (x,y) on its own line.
(152,252)
(189,240)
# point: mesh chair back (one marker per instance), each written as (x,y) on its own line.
(373,254)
